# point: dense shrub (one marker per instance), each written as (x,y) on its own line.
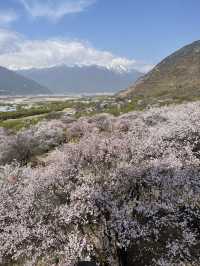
(80,128)
(34,141)
(127,197)
(104,122)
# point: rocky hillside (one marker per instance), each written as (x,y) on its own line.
(175,79)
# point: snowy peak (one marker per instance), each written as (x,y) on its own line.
(83,78)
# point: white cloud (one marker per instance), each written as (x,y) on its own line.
(17,52)
(7,17)
(9,42)
(55,9)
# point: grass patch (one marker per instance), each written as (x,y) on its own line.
(18,124)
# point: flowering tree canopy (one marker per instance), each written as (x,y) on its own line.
(118,191)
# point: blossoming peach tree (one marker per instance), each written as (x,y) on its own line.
(118,191)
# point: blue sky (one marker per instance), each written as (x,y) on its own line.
(128,33)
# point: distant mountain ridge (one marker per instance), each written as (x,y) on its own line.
(175,79)
(82,79)
(14,84)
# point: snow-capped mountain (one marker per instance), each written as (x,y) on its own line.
(83,79)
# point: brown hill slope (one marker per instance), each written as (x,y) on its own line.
(175,79)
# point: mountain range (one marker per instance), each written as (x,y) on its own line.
(82,79)
(12,83)
(175,79)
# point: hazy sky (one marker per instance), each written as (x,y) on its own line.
(128,33)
